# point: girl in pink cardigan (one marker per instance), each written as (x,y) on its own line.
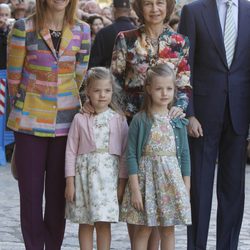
(95,159)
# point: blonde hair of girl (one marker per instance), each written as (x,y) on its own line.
(102,73)
(160,70)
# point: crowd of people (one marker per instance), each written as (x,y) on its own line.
(89,11)
(102,103)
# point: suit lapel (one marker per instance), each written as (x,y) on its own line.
(243,34)
(211,17)
(67,37)
(45,34)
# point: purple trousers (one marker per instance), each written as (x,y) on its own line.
(40,167)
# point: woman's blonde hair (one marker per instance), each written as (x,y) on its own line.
(40,14)
(160,70)
(137,5)
(102,73)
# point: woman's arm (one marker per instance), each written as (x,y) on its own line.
(16,57)
(187,27)
(183,76)
(82,57)
(118,63)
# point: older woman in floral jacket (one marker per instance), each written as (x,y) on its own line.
(152,43)
(137,50)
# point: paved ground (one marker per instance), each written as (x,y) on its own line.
(11,238)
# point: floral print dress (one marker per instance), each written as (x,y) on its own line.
(165,198)
(96,179)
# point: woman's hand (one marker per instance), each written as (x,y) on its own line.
(176,112)
(70,189)
(87,108)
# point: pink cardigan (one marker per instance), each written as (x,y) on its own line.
(81,141)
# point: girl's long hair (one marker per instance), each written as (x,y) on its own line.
(160,70)
(102,73)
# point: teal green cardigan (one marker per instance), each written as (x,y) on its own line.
(139,130)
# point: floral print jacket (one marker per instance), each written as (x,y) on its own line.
(132,55)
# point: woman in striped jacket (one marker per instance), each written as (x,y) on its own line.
(47,60)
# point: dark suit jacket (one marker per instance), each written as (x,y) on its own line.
(101,52)
(213,82)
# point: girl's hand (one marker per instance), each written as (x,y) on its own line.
(176,112)
(186,180)
(87,108)
(70,189)
(121,189)
(136,200)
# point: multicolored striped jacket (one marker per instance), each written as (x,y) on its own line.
(44,87)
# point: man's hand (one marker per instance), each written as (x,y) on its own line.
(194,127)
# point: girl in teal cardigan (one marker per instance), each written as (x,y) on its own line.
(158,164)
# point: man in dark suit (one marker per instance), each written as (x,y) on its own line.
(101,52)
(219,113)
